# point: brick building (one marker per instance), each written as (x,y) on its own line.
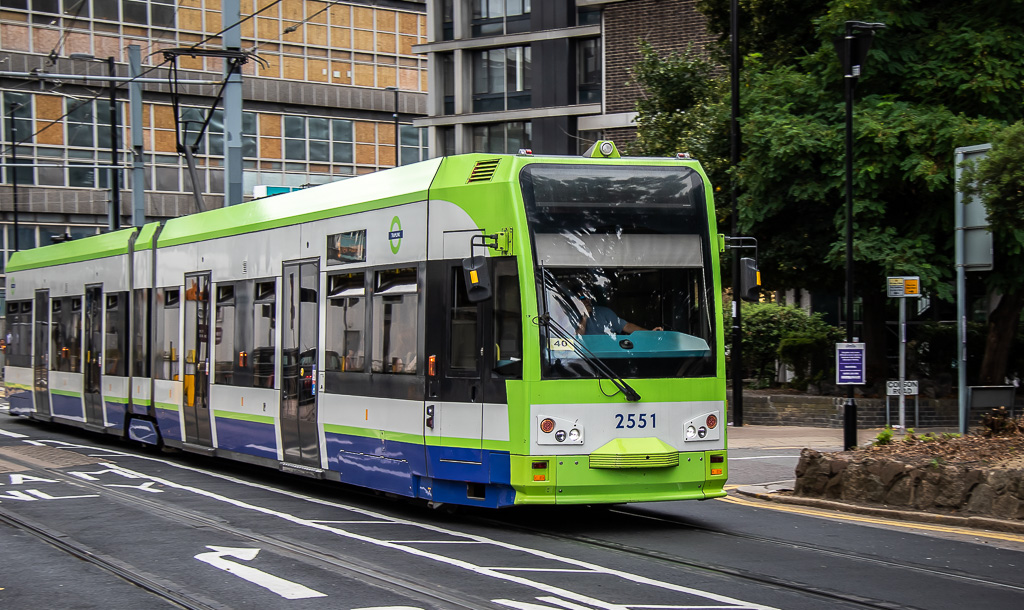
(315,106)
(550,75)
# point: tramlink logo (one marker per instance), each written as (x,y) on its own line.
(395,235)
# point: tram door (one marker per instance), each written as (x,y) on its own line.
(93,349)
(41,359)
(196,379)
(300,312)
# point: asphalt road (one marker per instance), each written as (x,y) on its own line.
(88,522)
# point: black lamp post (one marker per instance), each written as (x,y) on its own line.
(398,143)
(115,174)
(14,168)
(853,50)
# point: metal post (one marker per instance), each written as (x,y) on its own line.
(398,141)
(135,114)
(14,170)
(115,173)
(734,133)
(903,362)
(233,194)
(850,408)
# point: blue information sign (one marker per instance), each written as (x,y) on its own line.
(850,364)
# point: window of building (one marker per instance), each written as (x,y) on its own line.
(88,141)
(447,19)
(264,334)
(447,61)
(414,144)
(19,107)
(502,137)
(588,71)
(166,356)
(395,328)
(446,140)
(588,15)
(346,325)
(497,17)
(501,79)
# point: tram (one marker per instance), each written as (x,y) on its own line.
(484,330)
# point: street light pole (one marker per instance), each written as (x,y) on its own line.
(115,173)
(853,52)
(14,169)
(114,214)
(734,138)
(398,143)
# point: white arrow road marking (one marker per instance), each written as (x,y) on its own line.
(285,588)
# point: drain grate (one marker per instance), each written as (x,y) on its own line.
(47,457)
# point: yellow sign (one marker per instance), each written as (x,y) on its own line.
(910,286)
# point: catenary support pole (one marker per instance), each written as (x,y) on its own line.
(135,114)
(232,108)
(735,141)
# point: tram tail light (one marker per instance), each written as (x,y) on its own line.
(432,366)
(547,425)
(712,421)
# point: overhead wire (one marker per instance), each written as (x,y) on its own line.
(7,147)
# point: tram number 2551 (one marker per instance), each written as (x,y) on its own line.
(634,420)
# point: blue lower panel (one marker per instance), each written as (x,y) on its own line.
(252,438)
(67,406)
(144,431)
(20,401)
(401,468)
(170,427)
(115,413)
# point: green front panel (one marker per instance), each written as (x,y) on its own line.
(571,480)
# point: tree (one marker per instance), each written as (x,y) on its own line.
(944,74)
(998,179)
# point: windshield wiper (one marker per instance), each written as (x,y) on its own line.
(589,357)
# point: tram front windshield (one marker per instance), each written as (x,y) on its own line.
(623,273)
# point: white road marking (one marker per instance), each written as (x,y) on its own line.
(13,434)
(285,588)
(732,603)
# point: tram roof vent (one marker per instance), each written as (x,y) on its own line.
(483,171)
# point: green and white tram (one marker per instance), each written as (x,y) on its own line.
(487,330)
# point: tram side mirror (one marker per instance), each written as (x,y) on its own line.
(750,280)
(478,278)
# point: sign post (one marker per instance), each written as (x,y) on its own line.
(901,288)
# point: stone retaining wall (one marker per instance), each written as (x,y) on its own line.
(947,489)
(827,411)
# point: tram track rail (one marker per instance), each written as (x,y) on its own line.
(180,596)
(802,588)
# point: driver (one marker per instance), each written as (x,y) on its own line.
(598,320)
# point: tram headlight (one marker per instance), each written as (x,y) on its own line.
(560,436)
(702,432)
(691,431)
(574,435)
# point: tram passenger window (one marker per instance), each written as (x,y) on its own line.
(19,334)
(346,323)
(140,336)
(166,361)
(395,314)
(463,326)
(67,334)
(224,335)
(263,335)
(116,340)
(346,247)
(508,320)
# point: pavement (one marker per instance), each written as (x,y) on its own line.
(831,439)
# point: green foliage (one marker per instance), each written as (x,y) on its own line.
(884,437)
(684,109)
(781,30)
(770,329)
